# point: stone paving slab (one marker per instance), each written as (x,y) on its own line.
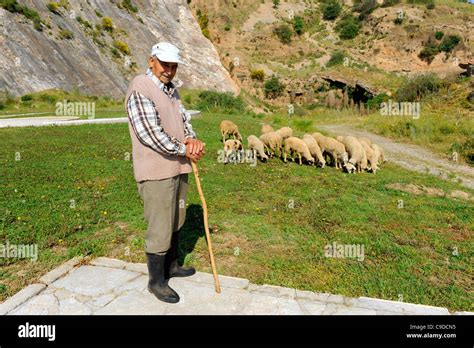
(107,286)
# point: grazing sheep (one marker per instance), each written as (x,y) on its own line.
(372,157)
(272,142)
(357,157)
(285,132)
(340,138)
(232,145)
(256,145)
(266,128)
(333,147)
(314,149)
(229,128)
(300,147)
(379,153)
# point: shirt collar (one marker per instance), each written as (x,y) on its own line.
(168,90)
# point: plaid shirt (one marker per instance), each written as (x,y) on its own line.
(145,121)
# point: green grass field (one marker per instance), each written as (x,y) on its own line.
(72,192)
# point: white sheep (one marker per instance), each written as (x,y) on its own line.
(372,157)
(333,147)
(231,145)
(357,157)
(266,128)
(299,146)
(272,142)
(257,146)
(314,149)
(229,128)
(285,132)
(379,153)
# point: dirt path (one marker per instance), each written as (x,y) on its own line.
(411,157)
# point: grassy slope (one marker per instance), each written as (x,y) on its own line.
(407,251)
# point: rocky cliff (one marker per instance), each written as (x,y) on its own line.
(98,46)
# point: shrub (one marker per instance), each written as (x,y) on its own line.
(273,88)
(48,98)
(331,10)
(209,100)
(53,7)
(449,42)
(227,27)
(26,97)
(398,20)
(284,33)
(417,87)
(276,3)
(429,52)
(66,34)
(298,25)
(122,47)
(439,35)
(374,102)
(348,27)
(107,24)
(98,13)
(430,5)
(257,75)
(14,7)
(337,58)
(127,4)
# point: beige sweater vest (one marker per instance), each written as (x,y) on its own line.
(147,163)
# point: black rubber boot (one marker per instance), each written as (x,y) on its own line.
(157,283)
(172,266)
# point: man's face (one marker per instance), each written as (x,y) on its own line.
(163,70)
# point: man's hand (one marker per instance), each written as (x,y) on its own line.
(194,149)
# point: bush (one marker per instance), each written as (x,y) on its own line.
(429,52)
(276,3)
(107,24)
(348,27)
(14,7)
(284,33)
(337,58)
(449,42)
(273,88)
(227,27)
(430,5)
(374,102)
(439,35)
(26,97)
(53,7)
(417,87)
(257,75)
(127,4)
(122,47)
(66,34)
(331,10)
(209,100)
(298,25)
(48,98)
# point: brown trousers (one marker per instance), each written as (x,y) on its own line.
(164,210)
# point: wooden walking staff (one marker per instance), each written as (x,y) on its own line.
(206,227)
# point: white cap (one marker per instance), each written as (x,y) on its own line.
(166,52)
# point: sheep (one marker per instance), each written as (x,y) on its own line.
(333,147)
(340,138)
(300,147)
(314,149)
(256,145)
(272,142)
(372,157)
(266,128)
(365,140)
(285,132)
(358,159)
(229,128)
(379,153)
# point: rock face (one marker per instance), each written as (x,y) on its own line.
(91,60)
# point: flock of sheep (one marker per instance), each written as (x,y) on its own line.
(348,153)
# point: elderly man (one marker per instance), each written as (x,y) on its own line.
(163,144)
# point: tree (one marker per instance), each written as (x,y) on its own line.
(273,88)
(331,10)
